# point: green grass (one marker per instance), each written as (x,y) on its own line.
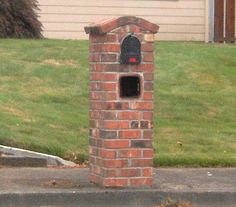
(44,104)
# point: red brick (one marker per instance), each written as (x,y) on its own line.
(107,134)
(115,163)
(108,115)
(104,48)
(115,124)
(148,115)
(103,77)
(93,151)
(142,68)
(130,134)
(97,95)
(94,86)
(129,173)
(93,123)
(135,182)
(96,67)
(148,57)
(108,154)
(148,134)
(115,182)
(142,105)
(148,76)
(103,38)
(92,159)
(109,58)
(115,144)
(134,29)
(142,163)
(148,95)
(148,86)
(108,86)
(94,178)
(115,68)
(94,132)
(128,115)
(129,153)
(147,172)
(147,47)
(109,172)
(148,153)
(102,105)
(94,58)
(94,114)
(95,169)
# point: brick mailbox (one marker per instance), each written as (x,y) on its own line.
(121,101)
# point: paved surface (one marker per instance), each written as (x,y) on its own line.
(70,187)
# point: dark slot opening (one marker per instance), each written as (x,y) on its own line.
(129,87)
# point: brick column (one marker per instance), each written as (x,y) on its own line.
(121,153)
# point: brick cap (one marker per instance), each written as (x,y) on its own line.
(108,25)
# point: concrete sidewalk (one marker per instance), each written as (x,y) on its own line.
(24,187)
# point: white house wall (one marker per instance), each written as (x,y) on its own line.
(183,20)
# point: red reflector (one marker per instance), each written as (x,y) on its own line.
(132,60)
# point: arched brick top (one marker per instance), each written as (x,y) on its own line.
(108,25)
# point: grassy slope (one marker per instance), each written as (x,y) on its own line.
(44,106)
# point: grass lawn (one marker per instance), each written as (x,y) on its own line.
(44,104)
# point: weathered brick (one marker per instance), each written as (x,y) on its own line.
(109,58)
(148,134)
(145,125)
(148,86)
(141,144)
(148,76)
(134,124)
(105,134)
(108,115)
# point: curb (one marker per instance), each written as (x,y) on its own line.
(117,198)
(20,153)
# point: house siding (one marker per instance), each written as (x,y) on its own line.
(183,20)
